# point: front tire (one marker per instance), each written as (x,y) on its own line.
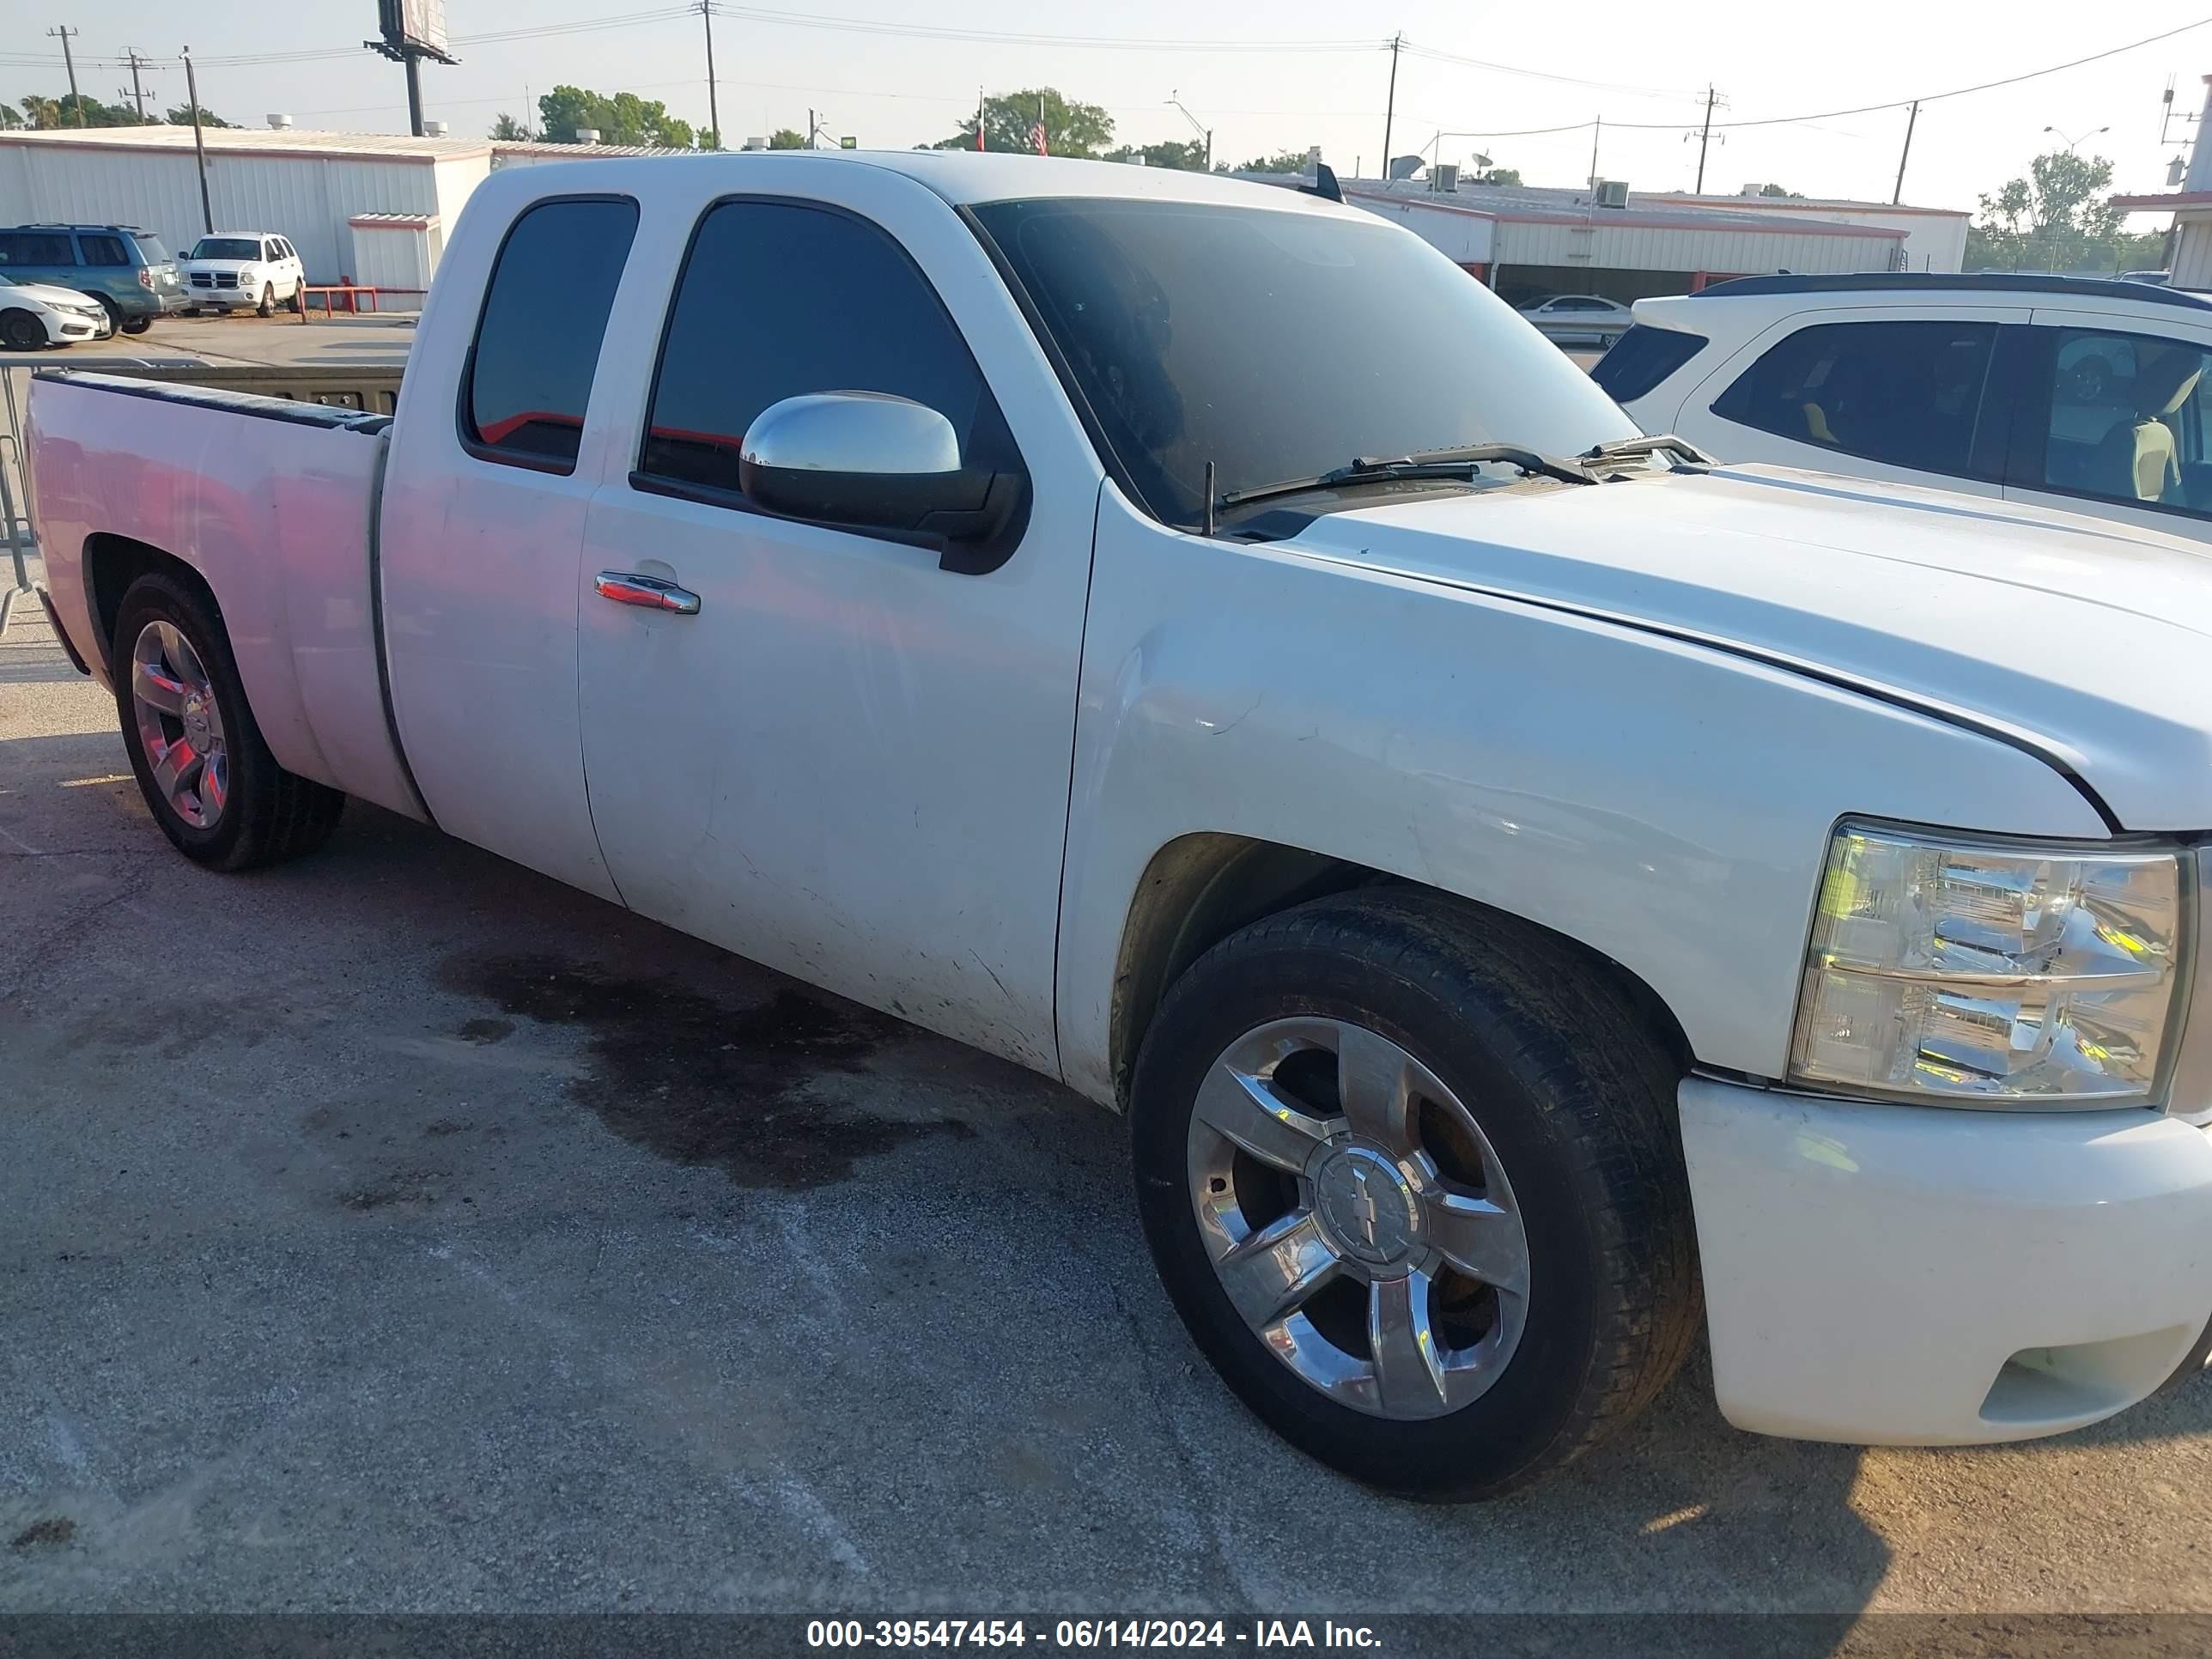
(1410,1175)
(201,762)
(20,331)
(268,306)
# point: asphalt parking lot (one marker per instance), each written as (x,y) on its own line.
(398,1230)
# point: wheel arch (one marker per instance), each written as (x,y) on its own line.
(1202,887)
(111,563)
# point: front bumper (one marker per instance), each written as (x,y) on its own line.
(1914,1275)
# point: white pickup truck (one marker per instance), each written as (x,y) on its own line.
(1536,894)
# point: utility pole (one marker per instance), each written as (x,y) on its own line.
(714,108)
(1390,110)
(1705,137)
(1898,194)
(1597,131)
(137,91)
(199,145)
(65,31)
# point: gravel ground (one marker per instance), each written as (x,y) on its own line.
(398,1230)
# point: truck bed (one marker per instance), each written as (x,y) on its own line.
(279,519)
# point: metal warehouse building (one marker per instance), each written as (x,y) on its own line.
(346,200)
(306,186)
(1528,243)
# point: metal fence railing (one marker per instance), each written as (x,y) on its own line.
(15,500)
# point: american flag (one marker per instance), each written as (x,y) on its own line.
(1037,132)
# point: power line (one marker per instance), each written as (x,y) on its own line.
(1441,56)
(1016,37)
(1863,109)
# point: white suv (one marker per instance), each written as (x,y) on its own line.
(2073,392)
(232,269)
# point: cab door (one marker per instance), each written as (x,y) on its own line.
(482,533)
(1896,392)
(2114,419)
(841,753)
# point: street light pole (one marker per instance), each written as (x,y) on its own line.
(2072,143)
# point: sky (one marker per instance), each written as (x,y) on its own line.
(1292,74)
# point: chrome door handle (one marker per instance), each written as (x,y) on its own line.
(628,587)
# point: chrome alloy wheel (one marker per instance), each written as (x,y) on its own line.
(1359,1217)
(179,724)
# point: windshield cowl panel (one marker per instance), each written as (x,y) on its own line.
(1278,345)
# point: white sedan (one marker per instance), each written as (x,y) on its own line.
(36,315)
(1579,317)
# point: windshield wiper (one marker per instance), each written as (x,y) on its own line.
(1629,449)
(1422,463)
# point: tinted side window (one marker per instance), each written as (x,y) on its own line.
(1906,393)
(36,248)
(777,301)
(1642,357)
(528,377)
(103,250)
(2125,421)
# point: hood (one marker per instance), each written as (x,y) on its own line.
(224,265)
(47,293)
(2087,641)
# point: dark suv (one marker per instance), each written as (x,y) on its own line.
(127,270)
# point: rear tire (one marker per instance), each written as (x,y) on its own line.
(1570,1095)
(240,809)
(134,325)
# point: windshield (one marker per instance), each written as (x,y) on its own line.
(1280,344)
(216,247)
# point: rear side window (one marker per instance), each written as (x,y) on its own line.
(1642,358)
(35,247)
(103,250)
(1907,394)
(850,313)
(529,375)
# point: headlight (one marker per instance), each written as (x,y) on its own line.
(1945,968)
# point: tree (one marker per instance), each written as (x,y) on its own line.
(2059,218)
(709,139)
(181,115)
(1282,160)
(1776,191)
(49,113)
(621,118)
(10,117)
(1182,156)
(787,138)
(1078,130)
(1506,176)
(508,130)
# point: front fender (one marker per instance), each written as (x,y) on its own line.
(1662,802)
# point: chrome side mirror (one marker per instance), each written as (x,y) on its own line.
(871,461)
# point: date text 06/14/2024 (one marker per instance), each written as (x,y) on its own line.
(1264,1633)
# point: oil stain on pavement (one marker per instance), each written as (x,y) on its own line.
(697,1081)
